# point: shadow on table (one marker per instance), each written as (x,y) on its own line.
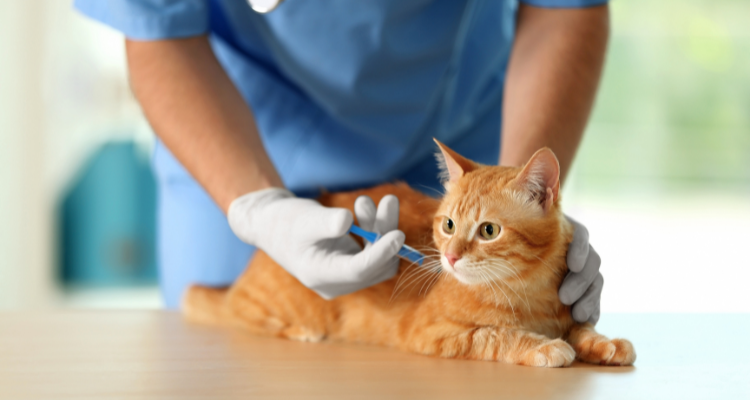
(603,369)
(275,367)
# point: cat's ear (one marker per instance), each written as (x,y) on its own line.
(541,178)
(452,165)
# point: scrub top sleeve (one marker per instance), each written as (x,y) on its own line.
(564,3)
(149,19)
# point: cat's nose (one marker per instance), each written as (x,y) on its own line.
(452,258)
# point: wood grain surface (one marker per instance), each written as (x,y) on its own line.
(156,355)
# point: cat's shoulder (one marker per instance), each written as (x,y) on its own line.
(407,196)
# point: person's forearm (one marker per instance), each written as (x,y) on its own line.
(197,112)
(552,77)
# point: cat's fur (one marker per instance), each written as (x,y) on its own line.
(500,301)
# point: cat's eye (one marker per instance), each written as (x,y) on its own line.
(489,231)
(449,226)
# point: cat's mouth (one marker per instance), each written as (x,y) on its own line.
(471,272)
(462,271)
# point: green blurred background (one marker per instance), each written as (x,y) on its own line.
(673,111)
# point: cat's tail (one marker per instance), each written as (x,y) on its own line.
(205,304)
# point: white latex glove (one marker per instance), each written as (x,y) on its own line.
(380,220)
(311,242)
(582,287)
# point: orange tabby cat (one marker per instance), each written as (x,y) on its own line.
(496,247)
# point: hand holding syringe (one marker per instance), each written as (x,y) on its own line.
(406,252)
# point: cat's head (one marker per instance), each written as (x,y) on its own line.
(497,222)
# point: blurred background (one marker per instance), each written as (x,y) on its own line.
(662,179)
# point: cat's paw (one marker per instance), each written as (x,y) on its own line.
(303,334)
(602,351)
(553,353)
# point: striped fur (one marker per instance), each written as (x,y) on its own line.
(498,303)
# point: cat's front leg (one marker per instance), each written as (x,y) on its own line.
(493,344)
(594,348)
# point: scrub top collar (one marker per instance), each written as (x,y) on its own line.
(264,6)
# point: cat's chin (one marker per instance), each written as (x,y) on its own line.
(461,274)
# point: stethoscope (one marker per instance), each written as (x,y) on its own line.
(264,6)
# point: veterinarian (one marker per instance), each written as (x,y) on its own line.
(259,111)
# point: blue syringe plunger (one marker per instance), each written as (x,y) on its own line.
(406,252)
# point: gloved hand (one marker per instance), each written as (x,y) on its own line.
(311,241)
(380,220)
(582,287)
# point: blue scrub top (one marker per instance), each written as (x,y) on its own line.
(345,93)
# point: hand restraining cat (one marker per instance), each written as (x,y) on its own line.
(487,290)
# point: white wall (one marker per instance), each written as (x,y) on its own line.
(670,253)
(63,90)
(24,208)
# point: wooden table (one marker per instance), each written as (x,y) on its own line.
(155,355)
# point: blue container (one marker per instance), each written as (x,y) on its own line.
(108,221)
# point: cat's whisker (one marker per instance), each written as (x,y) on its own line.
(430,264)
(429,258)
(401,282)
(431,261)
(499,280)
(437,267)
(487,282)
(492,286)
(428,252)
(523,282)
(426,255)
(494,281)
(506,269)
(406,277)
(496,264)
(422,275)
(421,259)
(549,267)
(434,281)
(426,282)
(439,193)
(510,268)
(425,247)
(419,273)
(410,270)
